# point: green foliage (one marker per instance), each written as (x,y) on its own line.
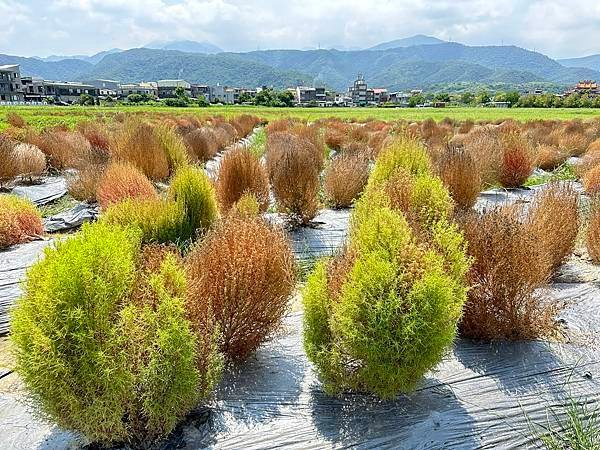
(176,102)
(565,172)
(86,100)
(416,100)
(97,356)
(173,146)
(258,146)
(396,312)
(404,153)
(192,190)
(159,221)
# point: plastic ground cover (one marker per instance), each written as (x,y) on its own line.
(71,218)
(483,395)
(50,189)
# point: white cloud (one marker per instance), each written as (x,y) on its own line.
(555,27)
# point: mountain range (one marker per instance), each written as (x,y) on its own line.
(418,61)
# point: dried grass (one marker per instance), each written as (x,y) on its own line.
(460,174)
(593,231)
(345,178)
(517,163)
(202,143)
(122,181)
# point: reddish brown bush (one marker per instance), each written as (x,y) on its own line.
(84,185)
(335,138)
(63,149)
(591,180)
(548,157)
(137,143)
(202,143)
(516,165)
(121,181)
(9,168)
(484,146)
(345,178)
(466,126)
(593,231)
(554,219)
(15,120)
(96,134)
(460,174)
(226,134)
(244,124)
(294,175)
(573,143)
(244,273)
(19,221)
(505,300)
(241,172)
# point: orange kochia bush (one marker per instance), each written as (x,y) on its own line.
(122,181)
(243,272)
(19,221)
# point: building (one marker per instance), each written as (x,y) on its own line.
(400,98)
(380,95)
(305,95)
(358,92)
(149,89)
(222,94)
(200,90)
(34,89)
(107,88)
(589,87)
(10,83)
(69,92)
(166,88)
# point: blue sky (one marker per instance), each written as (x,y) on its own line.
(558,28)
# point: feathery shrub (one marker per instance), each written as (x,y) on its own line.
(591,180)
(548,157)
(345,178)
(15,120)
(31,161)
(516,164)
(9,168)
(243,271)
(510,266)
(460,174)
(384,312)
(554,218)
(174,148)
(195,194)
(593,231)
(99,360)
(122,180)
(137,143)
(241,172)
(19,220)
(202,143)
(294,175)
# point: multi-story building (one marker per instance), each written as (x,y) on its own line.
(222,94)
(106,88)
(400,98)
(305,95)
(589,87)
(380,95)
(10,83)
(34,89)
(200,90)
(166,88)
(359,91)
(150,89)
(69,92)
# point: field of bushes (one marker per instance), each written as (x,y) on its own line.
(44,116)
(128,325)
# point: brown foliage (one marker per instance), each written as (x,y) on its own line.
(505,300)
(345,179)
(593,231)
(484,146)
(294,175)
(554,219)
(244,124)
(137,143)
(225,134)
(202,143)
(121,181)
(516,165)
(84,185)
(244,273)
(15,120)
(591,180)
(9,168)
(548,157)
(241,172)
(63,149)
(460,174)
(96,135)
(19,221)
(31,162)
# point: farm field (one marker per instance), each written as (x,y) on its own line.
(46,116)
(264,279)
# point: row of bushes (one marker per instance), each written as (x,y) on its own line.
(119,335)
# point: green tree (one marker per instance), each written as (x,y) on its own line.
(467,98)
(180,92)
(483,97)
(442,97)
(286,97)
(416,100)
(512,97)
(86,100)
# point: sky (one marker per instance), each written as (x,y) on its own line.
(558,28)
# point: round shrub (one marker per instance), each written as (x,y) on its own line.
(174,148)
(193,191)
(516,164)
(403,152)
(19,221)
(294,174)
(385,311)
(241,172)
(202,143)
(591,180)
(97,357)
(243,271)
(345,178)
(122,181)
(460,174)
(160,221)
(30,159)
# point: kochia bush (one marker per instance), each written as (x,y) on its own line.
(383,313)
(96,356)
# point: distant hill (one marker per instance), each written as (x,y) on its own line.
(185,46)
(91,59)
(144,64)
(418,39)
(589,62)
(66,69)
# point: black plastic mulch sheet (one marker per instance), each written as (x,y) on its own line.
(72,218)
(13,265)
(51,188)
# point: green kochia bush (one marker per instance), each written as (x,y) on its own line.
(384,312)
(192,189)
(104,347)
